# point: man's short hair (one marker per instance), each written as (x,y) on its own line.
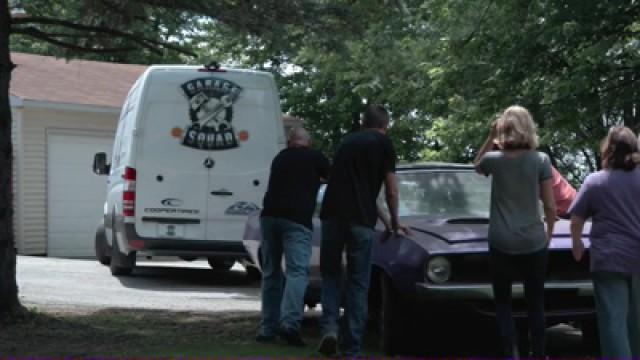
(375,117)
(298,134)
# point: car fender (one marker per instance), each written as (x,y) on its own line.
(401,259)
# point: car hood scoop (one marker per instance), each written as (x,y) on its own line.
(454,230)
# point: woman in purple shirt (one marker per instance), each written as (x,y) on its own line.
(611,198)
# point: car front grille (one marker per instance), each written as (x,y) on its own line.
(475,268)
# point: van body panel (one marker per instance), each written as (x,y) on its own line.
(201,144)
(172,181)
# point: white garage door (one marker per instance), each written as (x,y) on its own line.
(75,195)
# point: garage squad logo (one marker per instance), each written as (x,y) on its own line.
(211,111)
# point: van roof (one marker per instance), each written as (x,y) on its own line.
(155,68)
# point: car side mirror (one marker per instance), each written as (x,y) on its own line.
(100,166)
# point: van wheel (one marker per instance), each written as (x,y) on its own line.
(188,258)
(590,336)
(103,251)
(121,264)
(220,264)
(253,273)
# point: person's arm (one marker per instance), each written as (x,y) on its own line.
(549,204)
(385,221)
(383,217)
(580,211)
(392,199)
(577,225)
(486,147)
(564,193)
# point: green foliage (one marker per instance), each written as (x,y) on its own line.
(574,64)
(156,25)
(445,68)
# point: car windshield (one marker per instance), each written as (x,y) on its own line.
(444,193)
(440,193)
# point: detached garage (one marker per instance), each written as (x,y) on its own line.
(63,113)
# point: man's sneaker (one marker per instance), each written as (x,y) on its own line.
(328,345)
(265,339)
(292,337)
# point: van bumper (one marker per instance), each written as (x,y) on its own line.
(182,247)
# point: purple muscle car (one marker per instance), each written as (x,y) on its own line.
(444,263)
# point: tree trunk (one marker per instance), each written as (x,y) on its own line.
(9,303)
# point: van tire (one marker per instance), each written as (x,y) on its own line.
(590,335)
(121,264)
(103,251)
(220,264)
(253,273)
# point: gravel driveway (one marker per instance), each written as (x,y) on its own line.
(85,286)
(166,285)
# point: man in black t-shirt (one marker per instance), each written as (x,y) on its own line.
(363,162)
(296,173)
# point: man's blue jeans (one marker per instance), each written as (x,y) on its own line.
(283,308)
(617,298)
(357,240)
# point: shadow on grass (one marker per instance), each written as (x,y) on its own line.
(146,333)
(151,333)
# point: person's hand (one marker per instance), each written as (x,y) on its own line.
(578,250)
(399,229)
(402,230)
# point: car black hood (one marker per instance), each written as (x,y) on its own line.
(453,230)
(474,231)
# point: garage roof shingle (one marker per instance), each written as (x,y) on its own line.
(81,82)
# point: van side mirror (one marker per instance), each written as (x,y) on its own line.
(100,166)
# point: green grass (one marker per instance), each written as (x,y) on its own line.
(165,334)
(226,350)
(146,333)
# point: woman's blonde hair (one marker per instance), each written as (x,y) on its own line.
(515,129)
(620,149)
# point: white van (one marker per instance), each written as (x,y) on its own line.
(190,160)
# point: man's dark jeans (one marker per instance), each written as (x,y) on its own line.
(532,269)
(357,240)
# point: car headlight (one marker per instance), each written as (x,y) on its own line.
(438,270)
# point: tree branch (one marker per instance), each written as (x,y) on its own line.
(148,43)
(600,92)
(70,35)
(478,25)
(33,32)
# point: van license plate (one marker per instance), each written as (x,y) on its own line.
(170,230)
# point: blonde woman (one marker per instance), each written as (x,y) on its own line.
(518,240)
(611,198)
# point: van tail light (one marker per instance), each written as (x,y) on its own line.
(129,193)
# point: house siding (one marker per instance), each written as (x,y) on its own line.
(31,201)
(16,131)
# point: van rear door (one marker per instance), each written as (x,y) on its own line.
(172,179)
(238,180)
